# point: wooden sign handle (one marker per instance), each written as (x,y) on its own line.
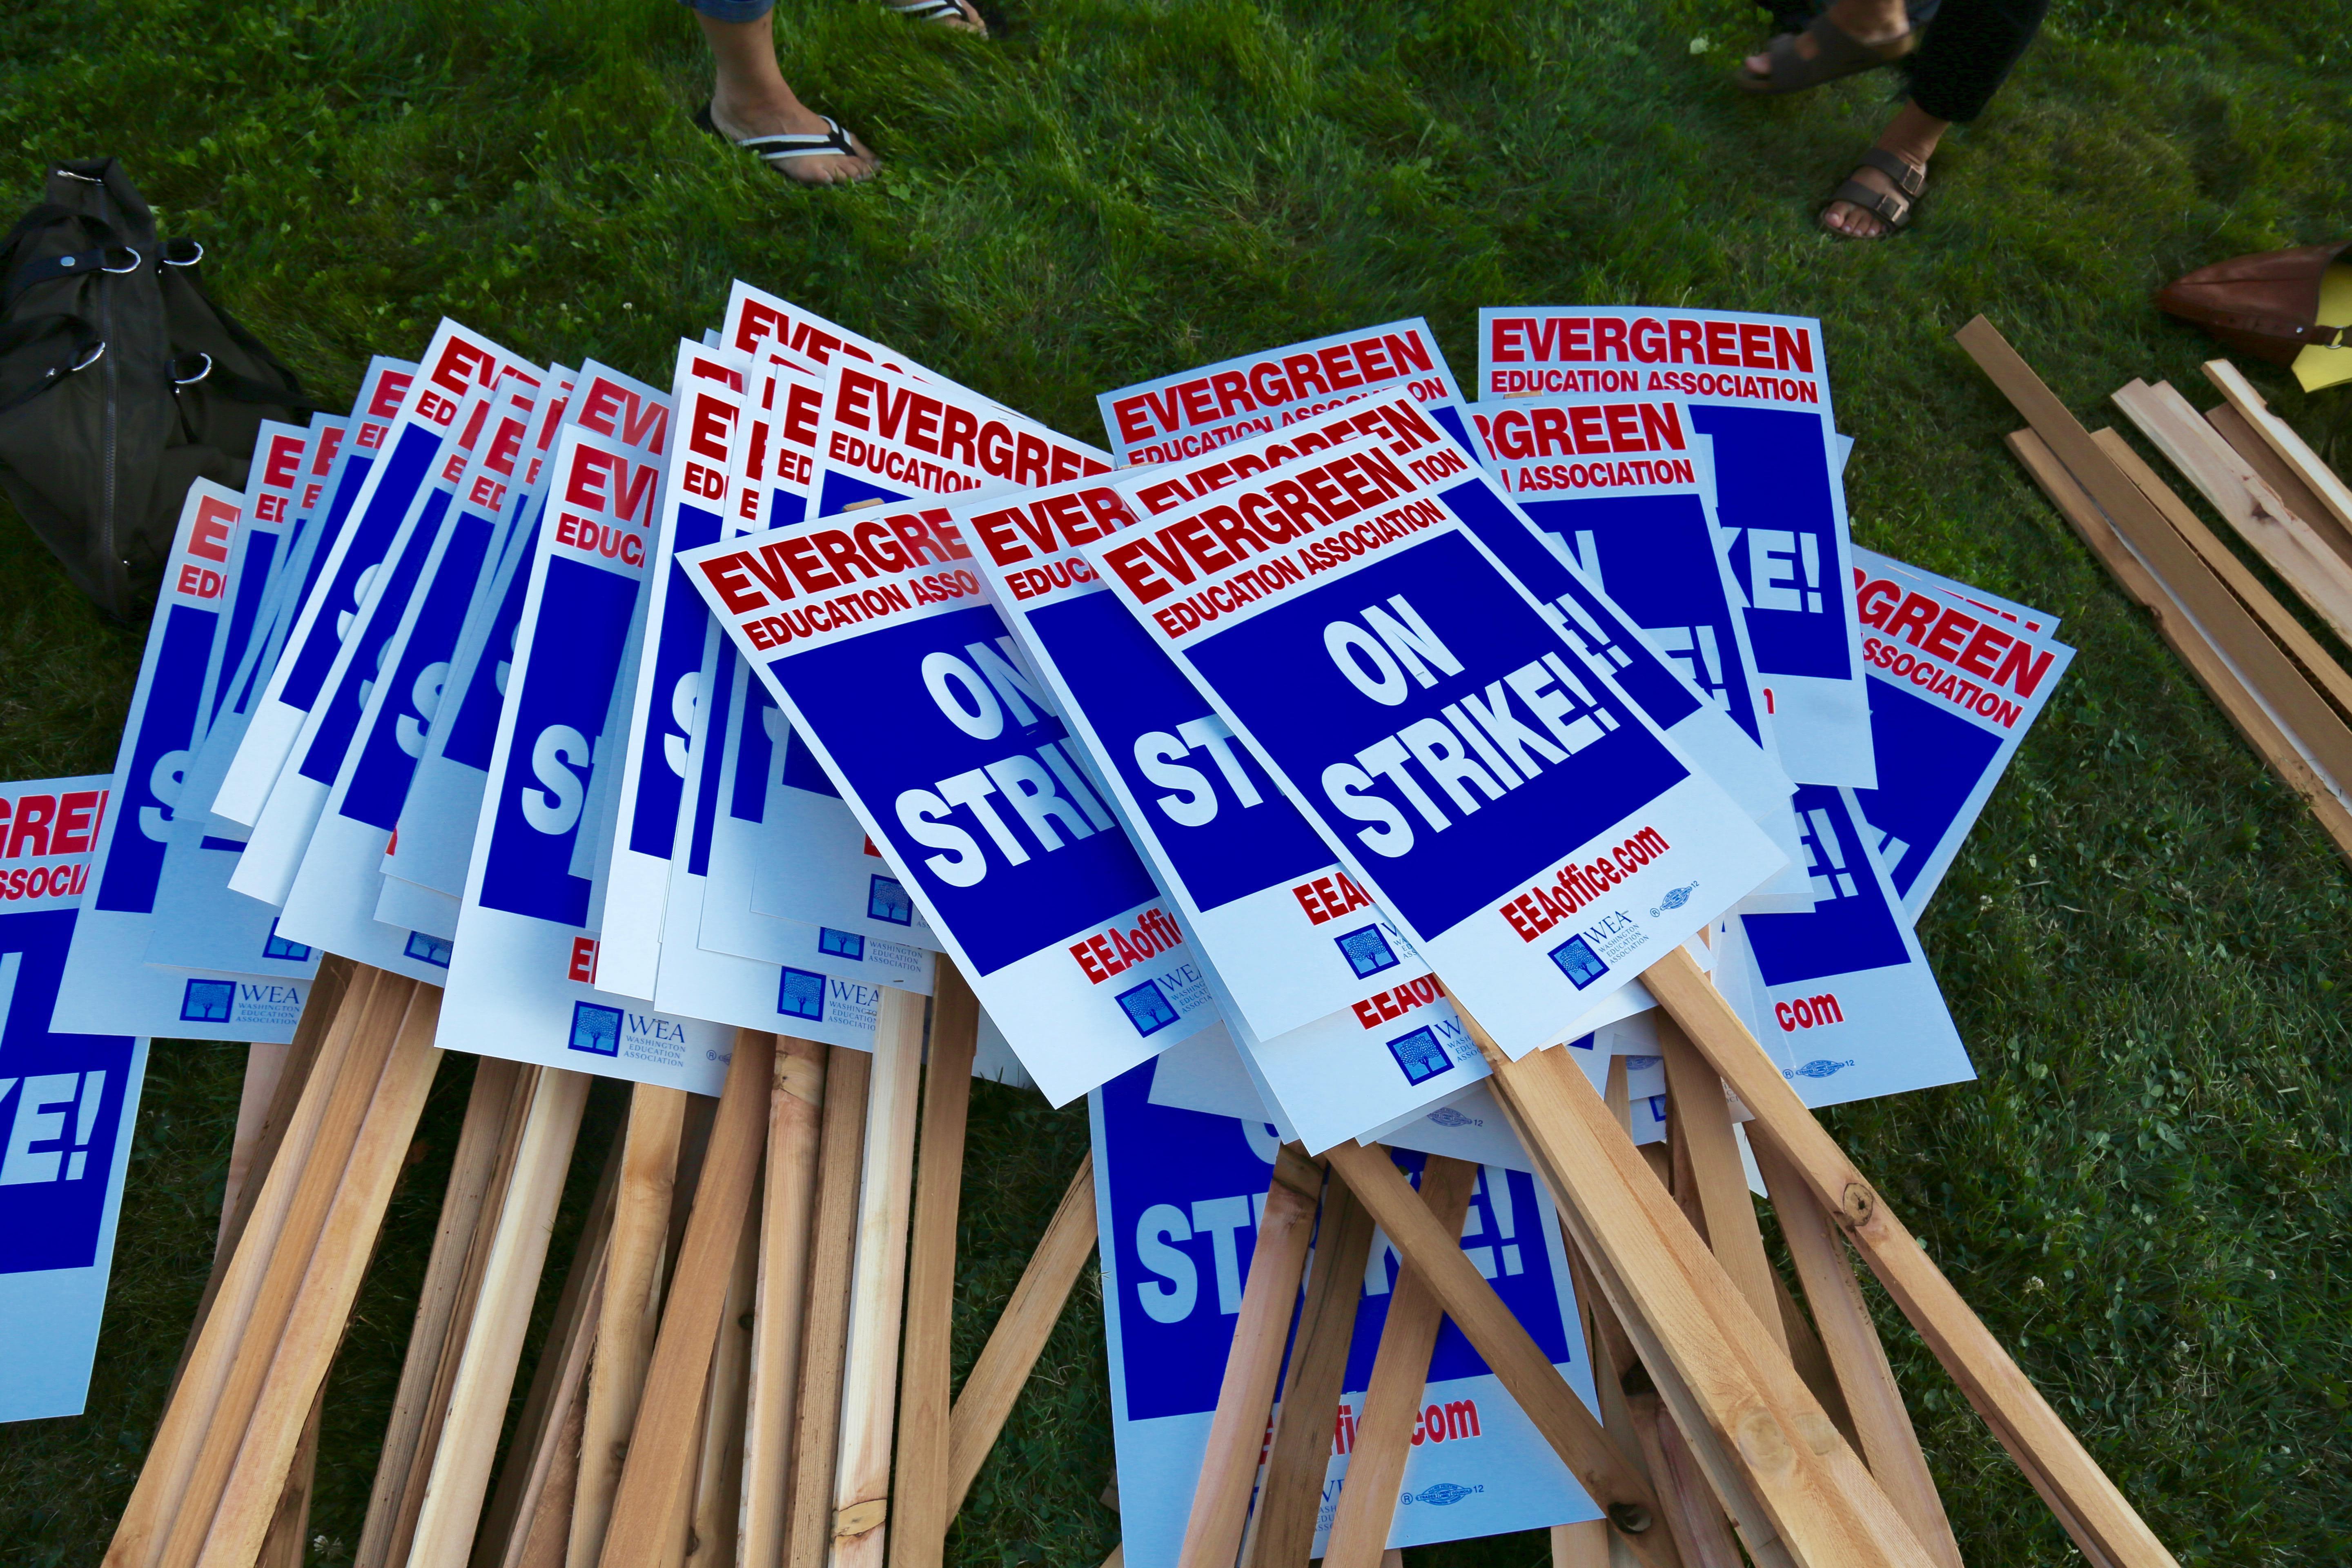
(2104,1524)
(788,1210)
(1382,1440)
(824,1321)
(1221,1498)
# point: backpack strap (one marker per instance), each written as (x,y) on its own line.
(72,264)
(89,348)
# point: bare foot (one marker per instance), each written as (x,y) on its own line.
(1913,136)
(1853,221)
(969,21)
(1869,21)
(785,115)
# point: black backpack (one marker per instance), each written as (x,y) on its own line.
(120,382)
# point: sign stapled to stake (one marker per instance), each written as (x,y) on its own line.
(1479,774)
(108,986)
(1758,387)
(1957,678)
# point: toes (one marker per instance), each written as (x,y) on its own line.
(1758,65)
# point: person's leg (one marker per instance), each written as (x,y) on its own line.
(1966,54)
(1869,21)
(750,98)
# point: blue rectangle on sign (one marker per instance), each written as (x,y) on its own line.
(1366,952)
(1578,962)
(886,899)
(1146,1009)
(596,1029)
(799,994)
(277,946)
(1420,1056)
(841,943)
(209,1000)
(427,949)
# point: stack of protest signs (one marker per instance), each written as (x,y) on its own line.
(1449,846)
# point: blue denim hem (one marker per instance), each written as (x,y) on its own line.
(730,10)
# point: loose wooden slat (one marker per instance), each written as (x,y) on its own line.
(824,1321)
(1505,1346)
(718,1478)
(2304,561)
(653,1493)
(1701,1532)
(996,1379)
(2222,680)
(632,1307)
(2104,1524)
(861,1492)
(248,1334)
(558,1381)
(2322,481)
(2300,498)
(1582,1545)
(1719,1183)
(920,1485)
(1383,1437)
(2307,650)
(471,1168)
(542,1533)
(1290,1499)
(265,1062)
(1212,1532)
(290,1526)
(304,1339)
(2260,664)
(1734,1377)
(460,1476)
(1890,1445)
(788,1210)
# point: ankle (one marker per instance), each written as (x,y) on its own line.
(1869,19)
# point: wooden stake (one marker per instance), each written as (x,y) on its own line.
(1507,1348)
(2103,1523)
(718,1480)
(1383,1437)
(1584,1545)
(557,1381)
(542,1532)
(824,1321)
(416,1415)
(460,1474)
(265,1062)
(1718,1183)
(208,1410)
(303,1342)
(2300,498)
(1728,1374)
(285,1544)
(1282,1531)
(861,1493)
(918,1535)
(632,1307)
(2304,561)
(2222,680)
(1889,1443)
(1212,1534)
(788,1209)
(2277,619)
(1019,1338)
(2280,437)
(655,1481)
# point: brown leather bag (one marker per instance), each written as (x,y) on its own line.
(2266,304)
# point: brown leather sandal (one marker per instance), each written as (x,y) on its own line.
(1836,53)
(1893,207)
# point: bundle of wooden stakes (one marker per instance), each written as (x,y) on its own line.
(1729,1422)
(748,1359)
(2275,681)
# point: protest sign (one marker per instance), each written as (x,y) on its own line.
(1705,733)
(270,486)
(670,688)
(108,986)
(434,844)
(199,923)
(1194,412)
(885,435)
(1843,997)
(67,1103)
(1312,606)
(281,833)
(1056,921)
(1957,677)
(522,974)
(1758,387)
(382,463)
(1177,1193)
(333,902)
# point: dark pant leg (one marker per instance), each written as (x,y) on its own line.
(1968,52)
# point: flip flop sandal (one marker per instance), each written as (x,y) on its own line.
(1836,53)
(1893,207)
(943,11)
(779,150)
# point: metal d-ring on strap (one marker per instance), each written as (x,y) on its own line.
(175,252)
(135,259)
(179,380)
(89,359)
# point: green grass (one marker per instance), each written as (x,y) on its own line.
(2146,1194)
